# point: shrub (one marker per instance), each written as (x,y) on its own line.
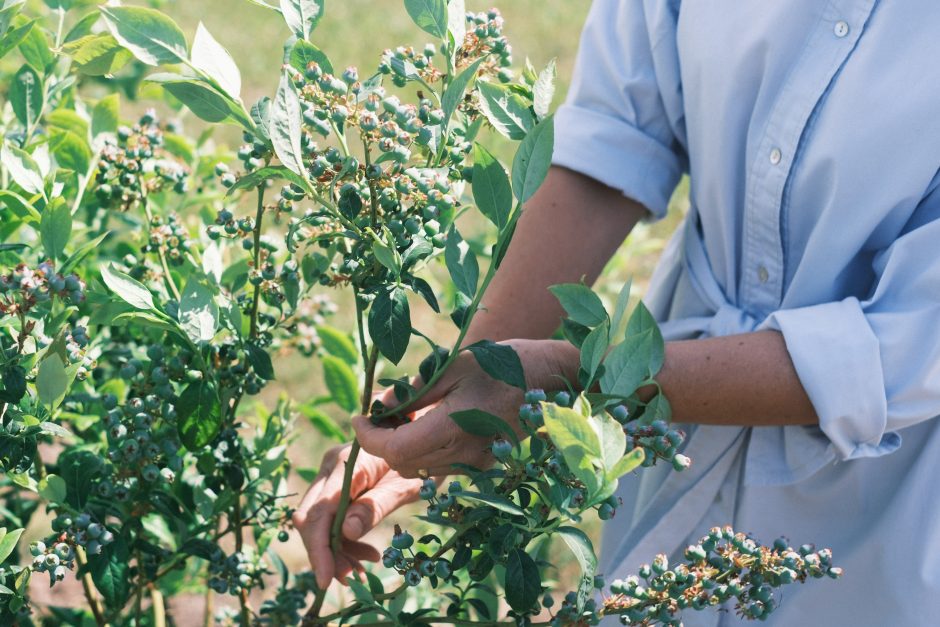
(141,304)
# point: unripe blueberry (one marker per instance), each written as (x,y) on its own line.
(563,399)
(605,512)
(412,577)
(681,462)
(51,560)
(427,568)
(402,541)
(443,569)
(620,413)
(63,550)
(37,548)
(454,487)
(501,449)
(535,396)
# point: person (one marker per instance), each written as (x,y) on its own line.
(800,298)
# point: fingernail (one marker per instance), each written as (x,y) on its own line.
(352,528)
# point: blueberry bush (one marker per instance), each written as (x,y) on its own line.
(150,280)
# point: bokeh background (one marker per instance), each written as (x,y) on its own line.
(354,32)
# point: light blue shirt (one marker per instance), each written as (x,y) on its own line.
(811,133)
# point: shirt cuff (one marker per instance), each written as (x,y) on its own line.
(838,360)
(618,155)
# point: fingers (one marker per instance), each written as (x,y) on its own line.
(390,493)
(314,518)
(433,442)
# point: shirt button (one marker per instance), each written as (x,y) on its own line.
(775,156)
(762,274)
(841,29)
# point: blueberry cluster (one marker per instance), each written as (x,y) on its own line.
(286,607)
(236,572)
(569,614)
(484,38)
(134,165)
(57,554)
(168,237)
(404,62)
(415,566)
(658,440)
(141,445)
(23,288)
(724,567)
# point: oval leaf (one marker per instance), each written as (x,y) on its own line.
(150,35)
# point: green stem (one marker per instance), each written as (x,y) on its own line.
(89,587)
(159,609)
(465,328)
(256,298)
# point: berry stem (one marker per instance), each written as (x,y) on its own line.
(256,249)
(89,587)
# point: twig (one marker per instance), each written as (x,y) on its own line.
(89,586)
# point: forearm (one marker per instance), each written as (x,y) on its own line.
(746,380)
(568,232)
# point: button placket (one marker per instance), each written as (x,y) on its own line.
(762,256)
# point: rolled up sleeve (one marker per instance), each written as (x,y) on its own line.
(872,367)
(614,126)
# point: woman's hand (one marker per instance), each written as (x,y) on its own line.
(433,442)
(377,491)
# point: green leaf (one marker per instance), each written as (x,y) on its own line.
(15,37)
(22,169)
(623,300)
(499,502)
(533,160)
(462,264)
(429,15)
(145,319)
(199,314)
(8,543)
(10,9)
(68,120)
(499,361)
(341,382)
(390,323)
(13,378)
(583,550)
(202,99)
(110,570)
(593,349)
(657,409)
(484,424)
(387,256)
(285,127)
(612,438)
(71,152)
(627,365)
(625,464)
(27,96)
(150,35)
(574,436)
(338,344)
(55,228)
(492,192)
(323,423)
(19,206)
(640,322)
(543,92)
(83,251)
(253,180)
(79,468)
(52,381)
(210,57)
(98,54)
(457,22)
(302,16)
(53,489)
(128,289)
(105,116)
(456,91)
(260,362)
(303,52)
(506,111)
(37,50)
(581,304)
(522,581)
(199,414)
